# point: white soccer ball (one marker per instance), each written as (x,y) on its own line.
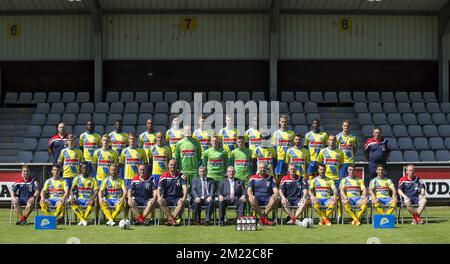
(307,223)
(124,224)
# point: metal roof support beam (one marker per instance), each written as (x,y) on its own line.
(443,53)
(97,48)
(274,46)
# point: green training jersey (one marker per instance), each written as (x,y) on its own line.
(188,155)
(241,160)
(216,161)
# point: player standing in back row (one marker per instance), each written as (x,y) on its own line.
(348,144)
(188,155)
(315,141)
(282,139)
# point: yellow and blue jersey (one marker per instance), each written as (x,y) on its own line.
(381,187)
(86,186)
(174,135)
(204,138)
(352,186)
(112,187)
(346,143)
(131,158)
(89,142)
(299,157)
(119,141)
(315,142)
(253,138)
(228,138)
(321,187)
(71,160)
(282,140)
(266,155)
(103,159)
(333,159)
(55,188)
(147,141)
(159,158)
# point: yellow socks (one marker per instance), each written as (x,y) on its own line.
(88,212)
(78,212)
(350,212)
(361,211)
(44,209)
(379,209)
(320,212)
(106,211)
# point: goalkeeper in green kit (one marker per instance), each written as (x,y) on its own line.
(241,160)
(215,159)
(188,154)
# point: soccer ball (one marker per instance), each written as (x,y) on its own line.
(124,224)
(307,223)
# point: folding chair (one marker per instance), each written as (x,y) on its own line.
(73,218)
(304,214)
(274,211)
(354,207)
(203,207)
(142,208)
(172,208)
(229,207)
(65,218)
(372,206)
(322,207)
(102,216)
(401,212)
(12,210)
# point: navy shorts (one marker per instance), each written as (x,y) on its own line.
(141,201)
(263,200)
(294,201)
(23,201)
(414,200)
(172,201)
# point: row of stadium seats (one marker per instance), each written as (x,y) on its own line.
(403,119)
(420,143)
(42,97)
(411,131)
(417,107)
(351,97)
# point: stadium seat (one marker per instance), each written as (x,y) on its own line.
(409,119)
(38,119)
(400,131)
(187,96)
(162,107)
(330,97)
(401,97)
(132,107)
(316,97)
(241,96)
(25,98)
(72,108)
(79,129)
(68,97)
(375,108)
(141,97)
(258,96)
(296,107)
(29,144)
(112,118)
(447,142)
(57,108)
(116,107)
(43,143)
(390,108)
(415,131)
(69,130)
(69,119)
(214,96)
(102,108)
(11,98)
(311,116)
(146,108)
(83,118)
(298,119)
(302,97)
(100,129)
(424,119)
(283,108)
(439,119)
(25,156)
(229,96)
(421,143)
(127,97)
(386,130)
(112,97)
(395,119)
(433,108)
(82,97)
(367,130)
(415,97)
(387,97)
(405,143)
(87,107)
(445,107)
(301,129)
(444,130)
(429,97)
(448,118)
(54,97)
(345,97)
(411,156)
(42,108)
(129,129)
(436,143)
(393,142)
(143,118)
(364,119)
(141,129)
(419,107)
(430,131)
(170,97)
(48,131)
(53,119)
(40,157)
(34,131)
(396,156)
(373,97)
(161,119)
(379,119)
(160,128)
(287,97)
(359,97)
(311,107)
(442,155)
(361,108)
(39,97)
(129,119)
(404,108)
(426,155)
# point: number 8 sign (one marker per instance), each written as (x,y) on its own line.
(345,24)
(14,30)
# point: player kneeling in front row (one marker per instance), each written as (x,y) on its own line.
(87,188)
(379,188)
(142,192)
(112,194)
(172,191)
(57,190)
(353,193)
(320,192)
(293,192)
(262,191)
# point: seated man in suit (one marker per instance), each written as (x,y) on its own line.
(231,192)
(203,190)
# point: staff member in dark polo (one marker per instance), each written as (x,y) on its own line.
(377,151)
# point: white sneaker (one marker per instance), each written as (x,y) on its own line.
(85,223)
(80,223)
(298,222)
(290,222)
(109,223)
(113,223)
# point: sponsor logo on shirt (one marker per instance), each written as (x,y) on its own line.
(148,144)
(104,163)
(346,147)
(215,163)
(90,145)
(298,160)
(160,158)
(133,161)
(316,144)
(241,163)
(117,144)
(71,162)
(174,141)
(331,162)
(188,153)
(283,142)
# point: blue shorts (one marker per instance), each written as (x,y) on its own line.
(155,178)
(112,201)
(343,171)
(414,200)
(312,167)
(384,201)
(94,172)
(82,202)
(280,168)
(53,201)
(294,201)
(141,201)
(69,182)
(172,201)
(263,200)
(336,184)
(324,201)
(23,201)
(354,200)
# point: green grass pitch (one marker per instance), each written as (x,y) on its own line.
(437,231)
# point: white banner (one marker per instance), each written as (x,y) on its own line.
(437,188)
(5,191)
